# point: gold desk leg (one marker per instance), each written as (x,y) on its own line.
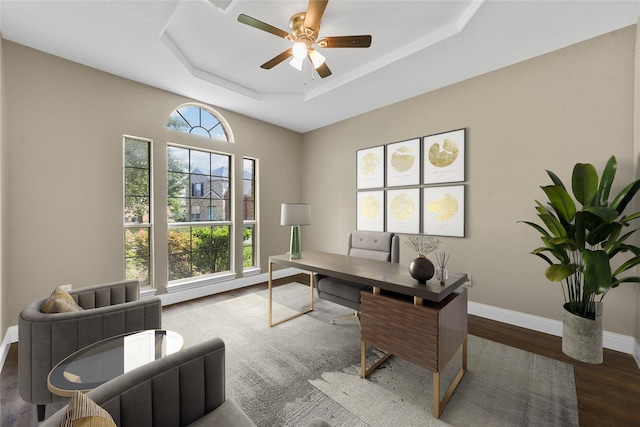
(364,372)
(311,290)
(270,293)
(293,316)
(439,405)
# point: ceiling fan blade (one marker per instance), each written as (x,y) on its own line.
(323,70)
(253,22)
(345,41)
(315,10)
(276,60)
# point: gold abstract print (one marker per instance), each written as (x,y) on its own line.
(402,207)
(402,159)
(370,207)
(444,208)
(445,157)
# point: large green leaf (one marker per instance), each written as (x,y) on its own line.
(596,271)
(633,279)
(604,213)
(559,272)
(602,233)
(608,175)
(543,256)
(555,179)
(584,183)
(558,251)
(537,227)
(564,242)
(553,225)
(561,202)
(630,217)
(627,265)
(625,196)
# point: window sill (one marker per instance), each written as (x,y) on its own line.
(148,292)
(251,271)
(198,282)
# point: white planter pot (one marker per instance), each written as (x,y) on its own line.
(582,337)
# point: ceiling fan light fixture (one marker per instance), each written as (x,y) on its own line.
(296,63)
(299,50)
(316,58)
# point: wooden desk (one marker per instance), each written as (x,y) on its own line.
(424,324)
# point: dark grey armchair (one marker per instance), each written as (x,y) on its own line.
(186,388)
(363,244)
(45,339)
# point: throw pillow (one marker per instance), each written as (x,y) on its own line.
(84,412)
(60,302)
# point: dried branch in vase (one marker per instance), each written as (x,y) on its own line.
(422,244)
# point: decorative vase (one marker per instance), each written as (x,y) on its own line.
(581,336)
(421,269)
(441,275)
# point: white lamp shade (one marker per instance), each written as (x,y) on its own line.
(316,58)
(295,214)
(299,50)
(296,63)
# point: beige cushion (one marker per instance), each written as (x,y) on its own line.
(84,412)
(60,302)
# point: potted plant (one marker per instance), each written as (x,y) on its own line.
(579,246)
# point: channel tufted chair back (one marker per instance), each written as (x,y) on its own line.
(45,339)
(374,245)
(186,388)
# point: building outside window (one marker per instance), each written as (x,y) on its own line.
(198,181)
(201,233)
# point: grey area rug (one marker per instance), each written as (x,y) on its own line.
(307,368)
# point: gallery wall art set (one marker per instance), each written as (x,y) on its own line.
(408,186)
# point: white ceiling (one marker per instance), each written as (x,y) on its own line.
(198,49)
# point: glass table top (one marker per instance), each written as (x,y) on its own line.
(98,363)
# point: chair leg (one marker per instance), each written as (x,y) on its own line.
(41,410)
(354,316)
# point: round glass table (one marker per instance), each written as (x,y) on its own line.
(98,363)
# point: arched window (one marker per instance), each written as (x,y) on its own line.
(202,230)
(198,120)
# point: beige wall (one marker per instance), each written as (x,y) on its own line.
(573,105)
(3,324)
(64,124)
(63,171)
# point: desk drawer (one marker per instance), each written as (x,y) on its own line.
(425,335)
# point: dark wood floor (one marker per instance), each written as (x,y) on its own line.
(608,394)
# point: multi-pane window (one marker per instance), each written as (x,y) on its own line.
(199,212)
(137,209)
(199,217)
(249,210)
(197,121)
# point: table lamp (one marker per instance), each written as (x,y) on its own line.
(295,215)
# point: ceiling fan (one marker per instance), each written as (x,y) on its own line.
(305,28)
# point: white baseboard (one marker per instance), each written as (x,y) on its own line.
(610,340)
(613,341)
(216,288)
(10,337)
